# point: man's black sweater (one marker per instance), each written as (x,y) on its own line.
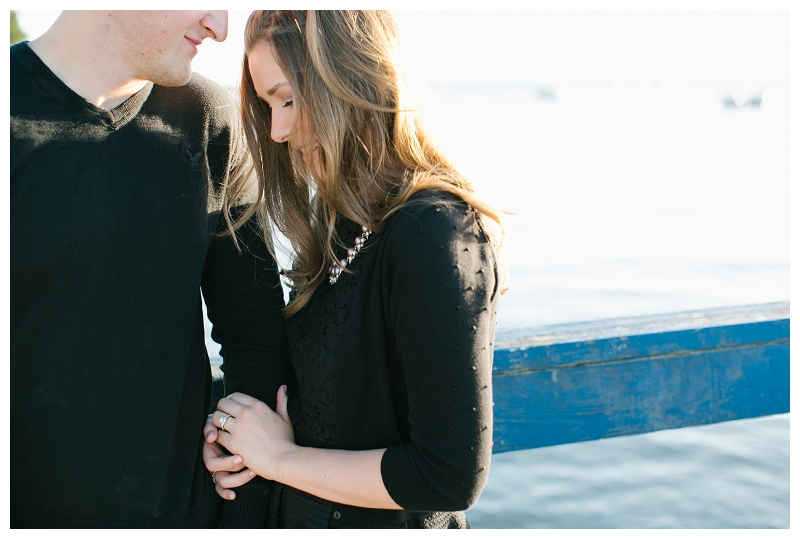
(113,221)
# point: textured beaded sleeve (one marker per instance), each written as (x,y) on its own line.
(442,312)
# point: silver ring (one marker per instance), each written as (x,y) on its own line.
(213,479)
(222,421)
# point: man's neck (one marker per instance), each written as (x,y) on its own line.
(75,53)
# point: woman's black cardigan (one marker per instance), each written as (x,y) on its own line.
(411,359)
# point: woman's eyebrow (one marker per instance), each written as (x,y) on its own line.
(272,90)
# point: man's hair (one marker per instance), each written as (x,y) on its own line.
(350,93)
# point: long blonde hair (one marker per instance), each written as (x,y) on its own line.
(374,150)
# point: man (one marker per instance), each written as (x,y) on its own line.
(119,156)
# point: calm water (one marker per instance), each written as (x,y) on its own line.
(728,475)
(633,200)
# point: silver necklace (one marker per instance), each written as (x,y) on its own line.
(336,268)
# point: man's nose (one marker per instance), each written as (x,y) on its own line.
(216,24)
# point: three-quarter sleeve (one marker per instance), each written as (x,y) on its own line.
(441,311)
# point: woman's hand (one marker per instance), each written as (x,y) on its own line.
(220,464)
(262,437)
(265,440)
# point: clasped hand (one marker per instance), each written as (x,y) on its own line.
(256,438)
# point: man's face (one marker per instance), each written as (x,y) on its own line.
(162,44)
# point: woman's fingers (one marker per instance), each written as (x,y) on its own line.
(230,406)
(223,481)
(216,462)
(219,479)
(210,430)
(223,493)
(233,480)
(213,450)
(240,398)
(223,421)
(215,457)
(283,400)
(237,406)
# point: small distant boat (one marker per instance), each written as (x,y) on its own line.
(545,93)
(742,99)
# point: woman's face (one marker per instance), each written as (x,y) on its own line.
(272,86)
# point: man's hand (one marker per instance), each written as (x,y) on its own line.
(221,465)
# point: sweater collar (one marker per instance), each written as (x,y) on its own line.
(114,118)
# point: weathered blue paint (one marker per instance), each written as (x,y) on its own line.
(564,392)
(567,355)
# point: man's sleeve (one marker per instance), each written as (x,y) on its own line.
(244,300)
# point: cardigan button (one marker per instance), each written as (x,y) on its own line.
(337,515)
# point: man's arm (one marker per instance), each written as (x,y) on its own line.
(244,299)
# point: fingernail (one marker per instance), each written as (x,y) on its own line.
(208,438)
(231,496)
(237,460)
(252,473)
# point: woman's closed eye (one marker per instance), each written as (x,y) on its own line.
(288,103)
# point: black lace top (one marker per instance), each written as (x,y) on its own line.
(316,334)
(397,354)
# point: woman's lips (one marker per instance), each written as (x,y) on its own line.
(313,149)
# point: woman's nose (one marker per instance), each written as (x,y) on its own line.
(280,129)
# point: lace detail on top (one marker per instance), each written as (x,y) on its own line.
(315,333)
(301,510)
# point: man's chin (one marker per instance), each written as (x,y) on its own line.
(172,79)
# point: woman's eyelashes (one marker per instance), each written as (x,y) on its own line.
(288,103)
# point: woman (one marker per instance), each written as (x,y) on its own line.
(394,288)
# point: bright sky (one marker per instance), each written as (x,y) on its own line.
(556,46)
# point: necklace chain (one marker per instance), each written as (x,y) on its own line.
(337,268)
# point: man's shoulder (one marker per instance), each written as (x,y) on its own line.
(17,49)
(202,96)
(203,90)
(208,88)
(20,51)
(23,63)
